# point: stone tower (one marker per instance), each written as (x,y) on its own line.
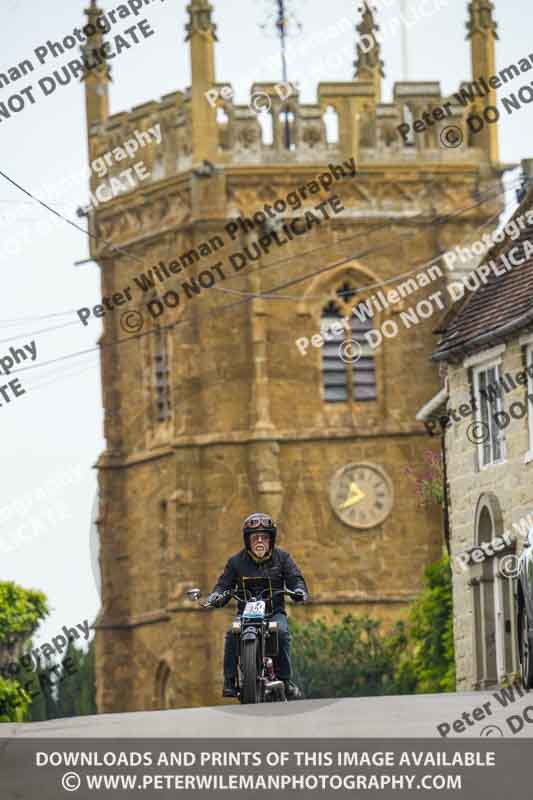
(210,408)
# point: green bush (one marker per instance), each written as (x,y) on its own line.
(428,664)
(352,658)
(347,659)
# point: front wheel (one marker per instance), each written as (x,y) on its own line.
(526,655)
(250,678)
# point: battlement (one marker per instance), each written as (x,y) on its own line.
(345,119)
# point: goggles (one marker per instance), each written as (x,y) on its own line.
(259,522)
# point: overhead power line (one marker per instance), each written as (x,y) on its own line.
(440,219)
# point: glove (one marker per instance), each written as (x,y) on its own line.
(215,599)
(299,596)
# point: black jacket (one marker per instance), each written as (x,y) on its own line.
(277,572)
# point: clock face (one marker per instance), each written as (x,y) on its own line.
(361,495)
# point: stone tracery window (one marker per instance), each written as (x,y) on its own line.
(348,365)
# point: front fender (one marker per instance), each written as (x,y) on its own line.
(249,634)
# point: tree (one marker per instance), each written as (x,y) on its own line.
(20,613)
(67,689)
(13,701)
(77,689)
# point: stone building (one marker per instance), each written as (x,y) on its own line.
(486,349)
(211,410)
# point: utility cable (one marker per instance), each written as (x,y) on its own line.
(135,258)
(239,302)
(306,253)
(422,265)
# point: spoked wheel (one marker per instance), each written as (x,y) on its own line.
(250,691)
(526,654)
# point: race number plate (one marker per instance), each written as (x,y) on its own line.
(256,609)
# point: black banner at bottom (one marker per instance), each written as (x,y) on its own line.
(201,768)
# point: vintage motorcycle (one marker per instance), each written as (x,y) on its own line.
(257,647)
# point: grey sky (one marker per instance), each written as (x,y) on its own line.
(56,427)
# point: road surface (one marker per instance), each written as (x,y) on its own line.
(379,717)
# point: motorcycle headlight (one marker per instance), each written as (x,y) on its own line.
(272,626)
(236,627)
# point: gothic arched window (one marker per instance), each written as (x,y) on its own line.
(348,365)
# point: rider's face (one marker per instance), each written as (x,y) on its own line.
(260,544)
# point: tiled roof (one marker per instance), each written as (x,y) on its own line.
(502,304)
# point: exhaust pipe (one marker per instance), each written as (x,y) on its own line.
(271,685)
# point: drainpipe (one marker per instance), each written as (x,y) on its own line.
(445,492)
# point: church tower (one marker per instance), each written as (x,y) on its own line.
(236,375)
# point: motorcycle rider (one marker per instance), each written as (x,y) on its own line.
(260,561)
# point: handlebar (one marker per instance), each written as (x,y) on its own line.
(235,595)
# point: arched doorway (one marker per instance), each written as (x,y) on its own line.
(493,607)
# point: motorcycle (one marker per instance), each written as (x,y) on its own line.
(257,649)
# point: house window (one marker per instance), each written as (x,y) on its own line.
(348,366)
(488,394)
(161,377)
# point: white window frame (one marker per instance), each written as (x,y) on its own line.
(477,371)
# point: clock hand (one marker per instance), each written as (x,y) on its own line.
(355,496)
